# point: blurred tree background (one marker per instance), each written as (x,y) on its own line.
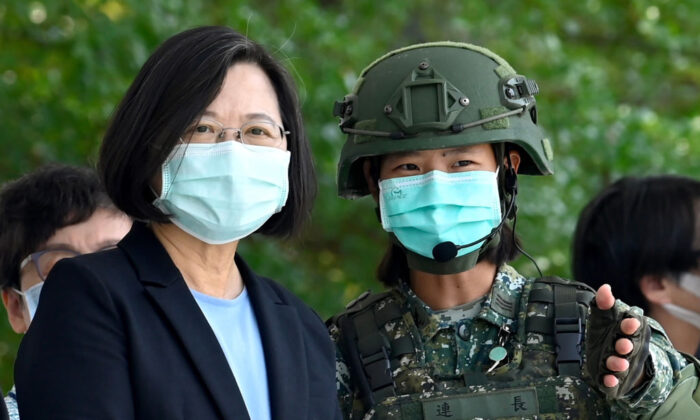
(619,84)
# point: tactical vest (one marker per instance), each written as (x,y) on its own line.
(542,378)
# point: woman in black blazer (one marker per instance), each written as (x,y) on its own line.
(206,148)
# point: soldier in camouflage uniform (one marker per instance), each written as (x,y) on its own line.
(436,134)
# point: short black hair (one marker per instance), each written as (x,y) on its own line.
(637,227)
(393,268)
(35,206)
(170,92)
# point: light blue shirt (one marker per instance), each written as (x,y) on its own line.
(236,328)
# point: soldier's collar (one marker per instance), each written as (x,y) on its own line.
(428,320)
(500,307)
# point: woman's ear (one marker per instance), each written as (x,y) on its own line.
(514,156)
(16,312)
(656,289)
(371,182)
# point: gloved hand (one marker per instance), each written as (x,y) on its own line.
(617,345)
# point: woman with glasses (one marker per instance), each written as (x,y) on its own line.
(53,213)
(206,148)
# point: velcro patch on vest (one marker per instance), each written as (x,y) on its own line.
(507,403)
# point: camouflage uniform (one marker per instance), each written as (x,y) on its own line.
(453,358)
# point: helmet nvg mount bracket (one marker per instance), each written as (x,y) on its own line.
(433,96)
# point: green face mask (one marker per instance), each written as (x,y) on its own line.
(426,210)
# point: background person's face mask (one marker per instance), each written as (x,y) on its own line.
(425,210)
(222,192)
(690,283)
(31,298)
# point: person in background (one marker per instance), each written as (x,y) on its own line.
(206,148)
(53,213)
(642,236)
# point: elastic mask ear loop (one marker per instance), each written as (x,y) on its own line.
(184,152)
(24,301)
(162,167)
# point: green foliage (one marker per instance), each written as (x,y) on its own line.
(619,95)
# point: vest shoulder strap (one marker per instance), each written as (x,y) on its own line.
(369,351)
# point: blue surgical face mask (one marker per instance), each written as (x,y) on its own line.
(31,298)
(222,192)
(425,210)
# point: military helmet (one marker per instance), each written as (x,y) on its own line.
(433,96)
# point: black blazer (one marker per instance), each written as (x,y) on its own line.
(118,335)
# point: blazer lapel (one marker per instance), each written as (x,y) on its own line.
(285,354)
(164,283)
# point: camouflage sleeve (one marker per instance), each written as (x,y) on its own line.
(663,367)
(342,375)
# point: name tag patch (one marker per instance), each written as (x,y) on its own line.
(504,403)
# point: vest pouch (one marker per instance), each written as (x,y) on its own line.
(558,397)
